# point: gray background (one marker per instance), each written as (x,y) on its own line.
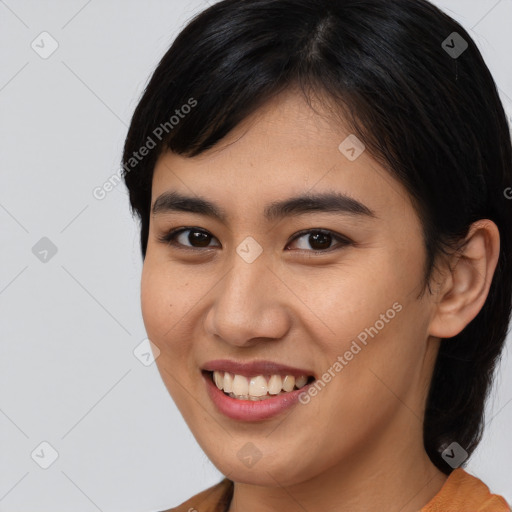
(69,326)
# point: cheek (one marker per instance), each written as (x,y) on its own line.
(153,302)
(163,307)
(343,301)
(163,312)
(375,323)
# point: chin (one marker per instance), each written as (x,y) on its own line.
(245,465)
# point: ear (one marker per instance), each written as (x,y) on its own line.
(466,281)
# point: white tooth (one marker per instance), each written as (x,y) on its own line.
(218,378)
(288,382)
(275,384)
(228,382)
(240,385)
(258,386)
(301,381)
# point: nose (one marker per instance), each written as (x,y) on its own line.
(247,306)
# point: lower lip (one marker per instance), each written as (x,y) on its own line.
(251,410)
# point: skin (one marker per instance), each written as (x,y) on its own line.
(357,445)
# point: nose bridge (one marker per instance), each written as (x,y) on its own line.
(249,275)
(246,305)
(244,292)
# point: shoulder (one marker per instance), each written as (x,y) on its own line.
(465,492)
(213,499)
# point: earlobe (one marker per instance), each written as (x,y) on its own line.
(466,283)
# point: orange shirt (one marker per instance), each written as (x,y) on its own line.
(461,492)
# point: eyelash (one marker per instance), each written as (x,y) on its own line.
(169,239)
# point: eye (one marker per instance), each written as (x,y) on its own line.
(197,238)
(320,240)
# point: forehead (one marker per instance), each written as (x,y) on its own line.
(285,148)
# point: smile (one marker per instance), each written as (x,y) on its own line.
(254,391)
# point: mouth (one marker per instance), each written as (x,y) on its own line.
(254,391)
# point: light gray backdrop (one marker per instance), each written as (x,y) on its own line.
(70,264)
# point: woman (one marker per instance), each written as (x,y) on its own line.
(324,230)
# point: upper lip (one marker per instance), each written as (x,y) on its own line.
(253,368)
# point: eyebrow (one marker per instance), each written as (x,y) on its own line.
(328,202)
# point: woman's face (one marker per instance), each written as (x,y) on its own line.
(263,285)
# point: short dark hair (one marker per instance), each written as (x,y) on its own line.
(432,118)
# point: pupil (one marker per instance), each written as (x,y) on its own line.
(199,238)
(315,238)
